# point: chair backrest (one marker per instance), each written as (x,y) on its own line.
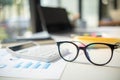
(56,19)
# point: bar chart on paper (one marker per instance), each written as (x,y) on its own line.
(22,68)
(32,65)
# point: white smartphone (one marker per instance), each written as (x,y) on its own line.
(31,50)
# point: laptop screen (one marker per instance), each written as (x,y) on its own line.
(56,19)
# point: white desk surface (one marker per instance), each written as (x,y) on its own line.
(75,71)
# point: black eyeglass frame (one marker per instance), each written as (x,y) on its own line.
(111,46)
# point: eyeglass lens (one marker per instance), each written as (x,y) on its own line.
(71,51)
(99,53)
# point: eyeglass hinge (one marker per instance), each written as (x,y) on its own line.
(117,45)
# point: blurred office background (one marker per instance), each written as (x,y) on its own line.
(15,15)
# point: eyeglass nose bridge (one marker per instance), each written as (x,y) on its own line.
(83,49)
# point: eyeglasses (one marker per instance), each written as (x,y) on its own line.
(97,53)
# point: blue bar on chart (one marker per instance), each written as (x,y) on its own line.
(46,65)
(3,65)
(37,65)
(27,65)
(18,65)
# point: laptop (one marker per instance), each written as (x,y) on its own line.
(56,19)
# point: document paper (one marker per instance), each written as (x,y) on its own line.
(23,68)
